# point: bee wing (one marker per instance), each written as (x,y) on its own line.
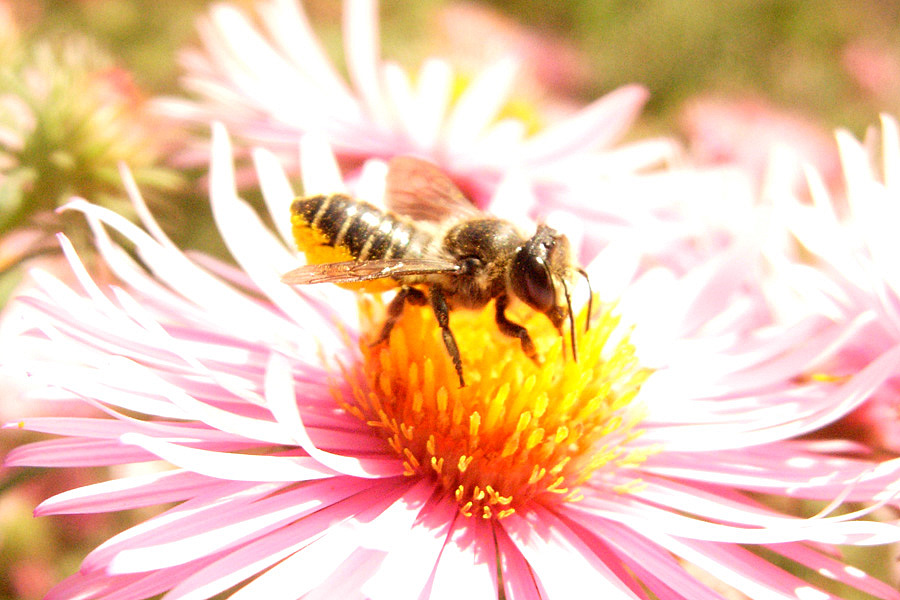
(352,271)
(421,191)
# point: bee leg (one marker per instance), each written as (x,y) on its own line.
(442,314)
(406,294)
(515,330)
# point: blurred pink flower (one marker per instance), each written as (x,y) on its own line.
(847,269)
(290,472)
(475,34)
(874,68)
(271,86)
(745,131)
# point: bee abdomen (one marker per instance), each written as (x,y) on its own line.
(337,228)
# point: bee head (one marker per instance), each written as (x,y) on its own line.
(539,274)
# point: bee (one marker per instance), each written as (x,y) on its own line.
(436,247)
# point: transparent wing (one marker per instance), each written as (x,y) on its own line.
(421,191)
(352,271)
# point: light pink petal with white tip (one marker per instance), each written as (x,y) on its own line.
(282,402)
(255,249)
(775,529)
(130,492)
(228,528)
(432,99)
(372,182)
(414,553)
(361,45)
(174,269)
(514,198)
(784,468)
(240,426)
(741,569)
(264,77)
(836,570)
(276,191)
(560,559)
(196,513)
(294,36)
(399,90)
(103,586)
(319,168)
(592,128)
(479,104)
(614,268)
(653,566)
(492,147)
(237,467)
(518,579)
(302,571)
(467,567)
(367,518)
(890,149)
(75,452)
(346,579)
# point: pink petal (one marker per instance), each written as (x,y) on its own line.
(414,554)
(743,570)
(75,452)
(128,492)
(836,570)
(251,558)
(518,579)
(653,566)
(560,560)
(319,560)
(215,532)
(346,579)
(230,496)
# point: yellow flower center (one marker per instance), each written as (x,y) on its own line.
(517,432)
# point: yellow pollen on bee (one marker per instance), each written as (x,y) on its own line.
(518,432)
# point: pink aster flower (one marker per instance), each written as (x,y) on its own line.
(304,462)
(271,84)
(854,248)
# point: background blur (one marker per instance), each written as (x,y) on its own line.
(837,62)
(726,79)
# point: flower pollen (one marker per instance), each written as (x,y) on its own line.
(518,431)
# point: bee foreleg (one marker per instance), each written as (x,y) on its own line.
(515,330)
(406,294)
(442,314)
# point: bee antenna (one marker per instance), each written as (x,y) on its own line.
(571,319)
(587,321)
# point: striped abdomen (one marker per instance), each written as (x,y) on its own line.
(337,228)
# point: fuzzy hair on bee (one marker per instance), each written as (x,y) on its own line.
(435,247)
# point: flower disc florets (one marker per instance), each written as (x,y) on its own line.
(517,432)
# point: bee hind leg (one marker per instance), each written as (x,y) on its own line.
(442,314)
(395,309)
(515,330)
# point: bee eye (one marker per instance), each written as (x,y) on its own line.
(531,281)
